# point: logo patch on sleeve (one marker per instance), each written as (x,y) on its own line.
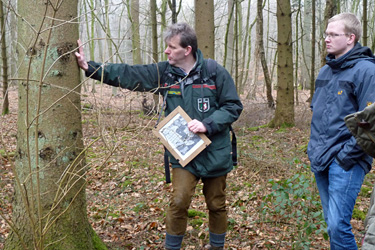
(203,104)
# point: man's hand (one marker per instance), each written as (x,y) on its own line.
(196,126)
(81,57)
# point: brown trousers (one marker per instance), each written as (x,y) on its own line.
(184,183)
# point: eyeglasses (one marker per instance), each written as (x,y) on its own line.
(333,35)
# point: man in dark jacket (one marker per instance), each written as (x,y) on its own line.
(346,84)
(212,103)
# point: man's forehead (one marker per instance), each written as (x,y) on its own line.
(175,40)
(336,26)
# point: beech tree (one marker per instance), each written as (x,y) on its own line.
(49,210)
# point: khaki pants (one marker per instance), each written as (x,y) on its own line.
(184,184)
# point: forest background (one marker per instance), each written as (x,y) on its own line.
(71,146)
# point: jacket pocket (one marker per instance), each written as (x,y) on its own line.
(216,159)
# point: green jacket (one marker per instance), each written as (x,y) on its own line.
(213,101)
(362,126)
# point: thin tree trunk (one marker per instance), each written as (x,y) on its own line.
(173,7)
(229,38)
(243,78)
(162,11)
(154,35)
(296,49)
(5,104)
(313,39)
(270,101)
(330,11)
(365,21)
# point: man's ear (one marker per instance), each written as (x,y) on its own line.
(188,50)
(351,39)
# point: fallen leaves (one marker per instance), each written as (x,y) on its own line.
(127,197)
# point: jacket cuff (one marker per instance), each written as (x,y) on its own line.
(210,126)
(91,69)
(346,165)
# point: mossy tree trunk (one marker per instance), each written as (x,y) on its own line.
(49,210)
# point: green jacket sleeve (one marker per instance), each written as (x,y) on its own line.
(230,106)
(133,77)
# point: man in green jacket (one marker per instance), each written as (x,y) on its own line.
(213,104)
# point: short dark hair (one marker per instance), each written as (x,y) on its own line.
(187,34)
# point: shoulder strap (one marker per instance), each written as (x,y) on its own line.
(234,147)
(211,66)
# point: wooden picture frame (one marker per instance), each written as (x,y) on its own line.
(183,144)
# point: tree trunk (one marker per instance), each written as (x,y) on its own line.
(297,49)
(313,39)
(330,11)
(136,40)
(305,21)
(5,104)
(229,38)
(154,32)
(284,114)
(245,70)
(49,210)
(204,27)
(163,23)
(262,54)
(365,21)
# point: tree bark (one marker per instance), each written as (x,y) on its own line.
(313,39)
(262,54)
(330,11)
(204,27)
(49,210)
(284,114)
(5,104)
(229,38)
(365,21)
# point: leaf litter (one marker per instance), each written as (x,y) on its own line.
(127,196)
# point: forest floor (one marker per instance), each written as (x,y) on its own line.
(272,200)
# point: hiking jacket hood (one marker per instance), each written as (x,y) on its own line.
(211,100)
(343,86)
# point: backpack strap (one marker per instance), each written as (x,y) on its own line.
(234,147)
(211,66)
(163,77)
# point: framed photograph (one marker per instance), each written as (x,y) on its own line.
(183,144)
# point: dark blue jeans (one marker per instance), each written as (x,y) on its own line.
(338,191)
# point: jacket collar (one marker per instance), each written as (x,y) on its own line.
(358,52)
(197,67)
